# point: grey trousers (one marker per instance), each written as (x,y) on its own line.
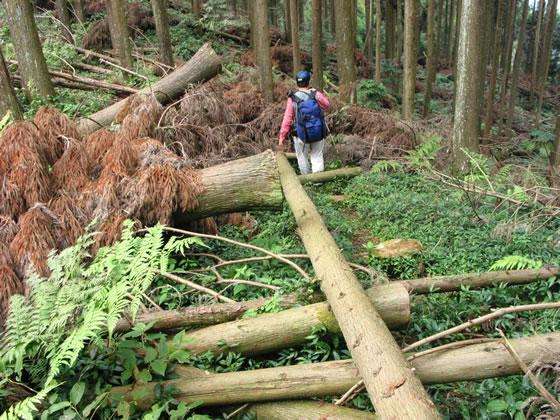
(309,151)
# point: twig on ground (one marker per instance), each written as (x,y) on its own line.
(545,393)
(351,393)
(454,345)
(195,286)
(236,412)
(243,245)
(476,321)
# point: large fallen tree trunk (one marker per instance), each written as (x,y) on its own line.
(269,332)
(394,389)
(239,185)
(204,65)
(308,410)
(224,312)
(468,363)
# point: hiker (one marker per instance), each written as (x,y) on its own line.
(304,116)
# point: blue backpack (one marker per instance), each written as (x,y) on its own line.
(310,121)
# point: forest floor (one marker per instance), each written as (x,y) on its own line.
(401,195)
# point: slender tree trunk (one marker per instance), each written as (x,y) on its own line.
(333,18)
(354,27)
(536,50)
(262,50)
(410,57)
(378,40)
(63,13)
(233,8)
(162,29)
(489,119)
(400,41)
(8,99)
(368,36)
(301,15)
(117,11)
(79,10)
(345,46)
(317,53)
(506,60)
(519,53)
(466,122)
(390,29)
(252,29)
(545,58)
(431,55)
(440,31)
(554,164)
(29,53)
(197,7)
(373,348)
(294,16)
(451,33)
(456,36)
(287,22)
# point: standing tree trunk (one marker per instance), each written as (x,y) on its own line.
(466,123)
(489,118)
(233,8)
(79,10)
(118,25)
(410,57)
(197,7)
(431,55)
(8,99)
(162,29)
(554,163)
(378,40)
(390,29)
(32,64)
(294,17)
(63,13)
(346,58)
(367,39)
(262,48)
(317,53)
(506,60)
(545,58)
(519,53)
(400,40)
(377,355)
(536,49)
(287,22)
(333,18)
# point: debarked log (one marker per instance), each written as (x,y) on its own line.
(469,363)
(308,410)
(204,65)
(330,175)
(292,327)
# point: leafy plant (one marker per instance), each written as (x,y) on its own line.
(371,93)
(515,262)
(423,156)
(386,166)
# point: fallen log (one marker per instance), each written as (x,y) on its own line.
(292,327)
(204,65)
(239,185)
(478,280)
(308,410)
(330,175)
(90,53)
(88,81)
(58,82)
(394,389)
(469,363)
(220,312)
(92,68)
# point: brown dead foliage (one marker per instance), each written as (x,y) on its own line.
(12,203)
(72,219)
(20,140)
(98,36)
(56,128)
(282,58)
(10,284)
(139,117)
(30,175)
(8,229)
(35,240)
(245,100)
(71,172)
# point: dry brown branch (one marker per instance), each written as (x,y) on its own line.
(481,319)
(195,286)
(545,393)
(454,345)
(351,393)
(243,245)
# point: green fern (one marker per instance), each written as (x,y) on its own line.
(423,156)
(386,166)
(79,303)
(515,262)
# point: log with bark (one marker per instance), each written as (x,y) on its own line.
(469,363)
(292,327)
(330,175)
(224,312)
(391,383)
(308,410)
(204,65)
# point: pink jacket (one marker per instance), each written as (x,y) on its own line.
(289,113)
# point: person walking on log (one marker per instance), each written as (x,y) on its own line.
(305,116)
